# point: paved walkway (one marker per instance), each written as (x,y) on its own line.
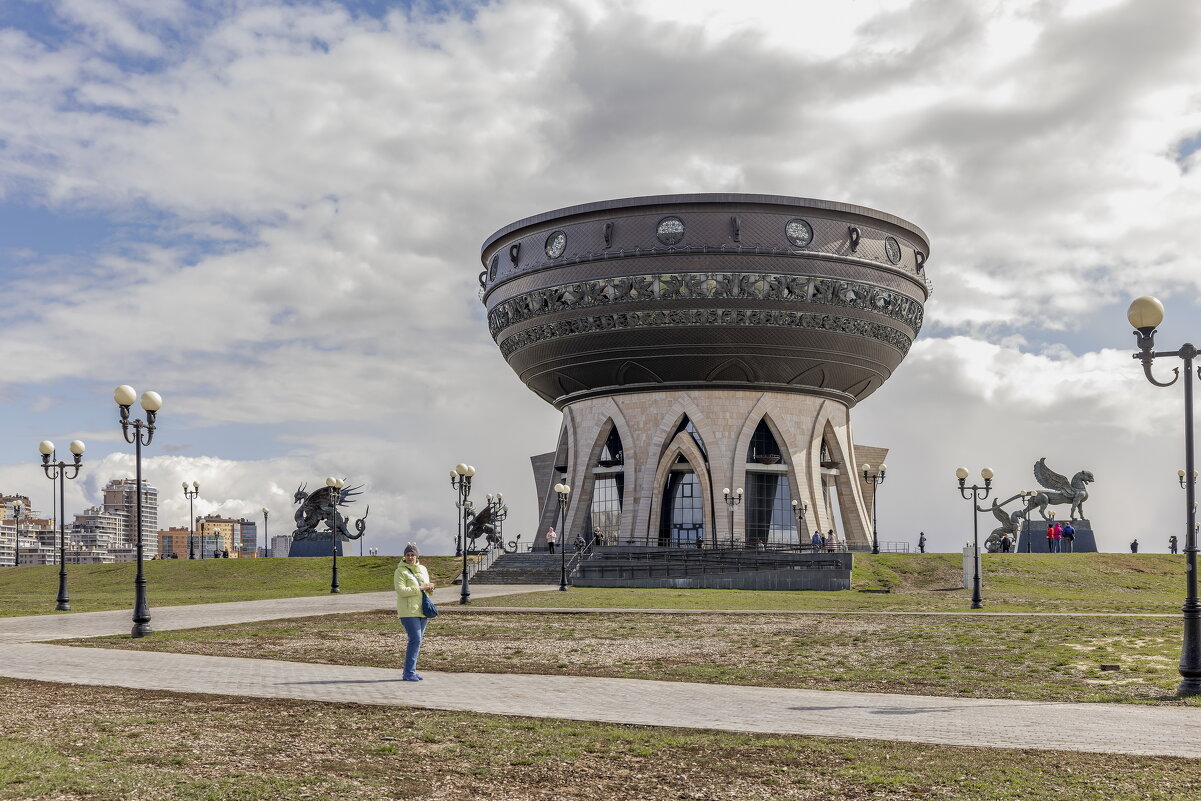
(1105,728)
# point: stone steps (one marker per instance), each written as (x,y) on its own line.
(522,568)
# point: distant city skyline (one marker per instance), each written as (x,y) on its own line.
(272,212)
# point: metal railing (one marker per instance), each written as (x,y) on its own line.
(684,562)
(576,558)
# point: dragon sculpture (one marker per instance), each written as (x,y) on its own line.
(321,506)
(480,525)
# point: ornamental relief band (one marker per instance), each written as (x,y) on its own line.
(686,317)
(681,286)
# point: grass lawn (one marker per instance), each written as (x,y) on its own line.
(69,742)
(1020,657)
(171,582)
(930,582)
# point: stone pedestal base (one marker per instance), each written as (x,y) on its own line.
(1037,536)
(312,548)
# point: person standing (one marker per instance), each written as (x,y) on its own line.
(1050,538)
(1005,542)
(1172,543)
(1134,545)
(816,540)
(411,581)
(551,538)
(921,542)
(1069,536)
(1057,537)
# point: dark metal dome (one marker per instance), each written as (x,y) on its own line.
(713,291)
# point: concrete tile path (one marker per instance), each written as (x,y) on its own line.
(1104,728)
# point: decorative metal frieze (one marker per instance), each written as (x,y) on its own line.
(706,317)
(709,286)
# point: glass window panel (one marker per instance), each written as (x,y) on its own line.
(606,507)
(683,518)
(769,515)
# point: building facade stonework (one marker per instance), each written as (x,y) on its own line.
(696,343)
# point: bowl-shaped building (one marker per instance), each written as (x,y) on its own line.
(698,343)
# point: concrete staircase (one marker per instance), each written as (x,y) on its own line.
(522,568)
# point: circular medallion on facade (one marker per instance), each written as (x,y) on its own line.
(556,243)
(799,233)
(670,230)
(893,249)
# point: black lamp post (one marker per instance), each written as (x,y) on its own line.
(799,509)
(977,493)
(18,512)
(141,436)
(266,542)
(57,471)
(1026,497)
(563,491)
(1145,314)
(190,492)
(732,500)
(334,486)
(460,480)
(875,479)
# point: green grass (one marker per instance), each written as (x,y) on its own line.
(1130,583)
(69,742)
(171,582)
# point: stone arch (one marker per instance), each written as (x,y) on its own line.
(769,410)
(582,482)
(681,445)
(651,451)
(849,494)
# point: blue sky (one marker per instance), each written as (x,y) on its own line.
(271,213)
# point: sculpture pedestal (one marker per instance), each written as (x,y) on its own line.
(1037,536)
(312,548)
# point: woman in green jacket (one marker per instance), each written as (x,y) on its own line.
(411,579)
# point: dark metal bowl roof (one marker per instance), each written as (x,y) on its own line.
(540,220)
(600,299)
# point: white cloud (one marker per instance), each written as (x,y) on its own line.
(297,195)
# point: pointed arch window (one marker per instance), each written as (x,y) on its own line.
(608,490)
(612,454)
(682,519)
(827,455)
(687,426)
(763,448)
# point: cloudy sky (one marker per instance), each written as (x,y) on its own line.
(271,213)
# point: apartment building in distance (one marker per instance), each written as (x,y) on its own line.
(218,535)
(38,543)
(120,499)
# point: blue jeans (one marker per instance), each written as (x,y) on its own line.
(415,629)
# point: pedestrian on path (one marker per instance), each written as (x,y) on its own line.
(411,581)
(921,542)
(551,539)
